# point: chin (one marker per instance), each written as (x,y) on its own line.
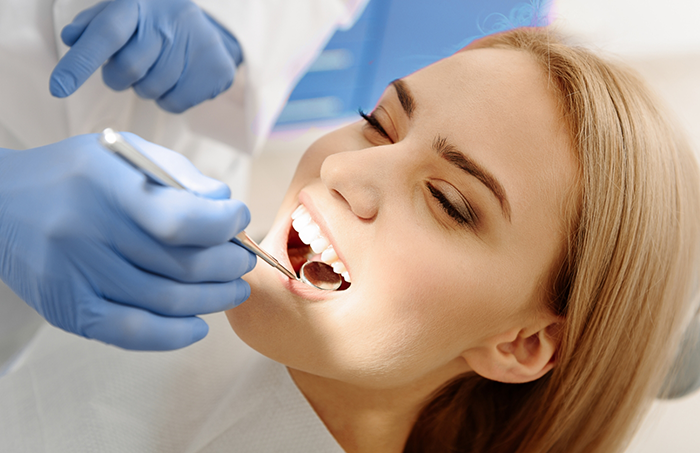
(279,318)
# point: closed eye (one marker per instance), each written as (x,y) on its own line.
(372,122)
(465,216)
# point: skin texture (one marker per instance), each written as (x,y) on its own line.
(431,297)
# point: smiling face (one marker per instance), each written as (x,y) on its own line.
(446,208)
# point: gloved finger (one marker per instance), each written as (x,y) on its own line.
(176,217)
(72,31)
(164,73)
(136,329)
(221,263)
(133,61)
(131,286)
(196,85)
(181,169)
(170,216)
(109,30)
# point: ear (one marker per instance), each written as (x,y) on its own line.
(519,355)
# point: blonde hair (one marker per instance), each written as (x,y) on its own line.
(623,287)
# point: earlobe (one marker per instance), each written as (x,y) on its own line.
(516,356)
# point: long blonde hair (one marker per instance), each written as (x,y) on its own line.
(623,287)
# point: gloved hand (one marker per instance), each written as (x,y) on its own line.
(168,50)
(100,251)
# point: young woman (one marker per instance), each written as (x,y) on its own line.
(519,223)
(519,228)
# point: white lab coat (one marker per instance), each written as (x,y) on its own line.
(279,39)
(68,394)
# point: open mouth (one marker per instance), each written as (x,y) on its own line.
(305,243)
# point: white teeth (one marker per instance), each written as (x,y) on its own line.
(301,221)
(329,255)
(338,267)
(298,211)
(320,244)
(310,234)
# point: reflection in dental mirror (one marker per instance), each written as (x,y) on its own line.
(320,275)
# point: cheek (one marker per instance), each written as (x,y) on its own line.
(410,318)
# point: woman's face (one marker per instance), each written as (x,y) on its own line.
(446,208)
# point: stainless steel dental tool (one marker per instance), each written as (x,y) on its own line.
(312,275)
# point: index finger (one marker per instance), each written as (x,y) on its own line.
(108,32)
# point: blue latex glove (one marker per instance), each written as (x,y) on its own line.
(167,50)
(100,251)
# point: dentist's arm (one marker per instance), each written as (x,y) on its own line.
(166,50)
(99,251)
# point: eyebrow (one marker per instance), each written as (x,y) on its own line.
(405,97)
(451,154)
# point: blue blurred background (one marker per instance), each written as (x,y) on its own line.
(391,39)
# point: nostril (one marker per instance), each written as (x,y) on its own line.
(339,196)
(362,203)
(353,185)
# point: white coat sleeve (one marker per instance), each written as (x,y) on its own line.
(280,39)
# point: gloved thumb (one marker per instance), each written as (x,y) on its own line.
(181,169)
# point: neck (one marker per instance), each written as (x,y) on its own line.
(362,419)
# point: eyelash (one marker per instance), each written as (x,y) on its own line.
(448,207)
(373,123)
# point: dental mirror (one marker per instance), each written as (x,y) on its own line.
(320,275)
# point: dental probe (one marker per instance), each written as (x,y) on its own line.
(114,142)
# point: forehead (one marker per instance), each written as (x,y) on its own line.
(494,85)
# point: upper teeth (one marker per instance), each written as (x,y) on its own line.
(310,234)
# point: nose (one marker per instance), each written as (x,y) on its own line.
(360,178)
